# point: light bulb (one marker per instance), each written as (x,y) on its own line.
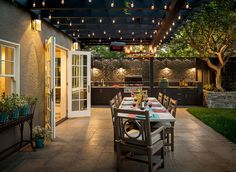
(74,34)
(82,21)
(78,35)
(165,7)
(112,4)
(89,35)
(150,36)
(170,29)
(132,33)
(58,21)
(100,40)
(70,24)
(145,33)
(113,21)
(93,33)
(100,20)
(104,32)
(119,31)
(153,21)
(62,2)
(179,17)
(109,38)
(89,1)
(43,3)
(50,16)
(164,37)
(187,6)
(132,4)
(34,5)
(133,18)
(167,33)
(173,23)
(121,38)
(133,39)
(152,7)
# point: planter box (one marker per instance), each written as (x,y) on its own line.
(213,99)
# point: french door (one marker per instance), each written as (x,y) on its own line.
(50,122)
(79,101)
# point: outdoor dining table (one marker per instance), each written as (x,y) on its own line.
(157,112)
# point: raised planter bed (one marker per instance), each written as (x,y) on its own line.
(213,99)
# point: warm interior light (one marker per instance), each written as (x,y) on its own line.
(36,24)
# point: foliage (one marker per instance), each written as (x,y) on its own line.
(221,120)
(233,86)
(40,132)
(104,52)
(32,100)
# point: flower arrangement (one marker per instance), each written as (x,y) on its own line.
(40,132)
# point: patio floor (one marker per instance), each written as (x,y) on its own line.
(86,144)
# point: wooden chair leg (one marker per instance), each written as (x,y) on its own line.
(172,139)
(118,157)
(150,161)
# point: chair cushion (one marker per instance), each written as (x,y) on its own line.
(134,133)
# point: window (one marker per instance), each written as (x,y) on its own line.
(9,68)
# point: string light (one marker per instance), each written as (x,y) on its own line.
(132,33)
(62,2)
(121,38)
(179,17)
(73,33)
(159,23)
(89,1)
(153,21)
(113,21)
(165,6)
(153,6)
(100,40)
(78,35)
(170,29)
(109,38)
(50,16)
(187,6)
(132,4)
(34,5)
(70,23)
(150,36)
(133,18)
(164,37)
(119,31)
(82,21)
(93,33)
(58,21)
(112,4)
(89,35)
(43,3)
(173,23)
(167,33)
(104,32)
(133,39)
(145,33)
(100,20)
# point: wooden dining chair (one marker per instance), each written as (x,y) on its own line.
(120,97)
(160,97)
(169,132)
(113,106)
(138,139)
(166,101)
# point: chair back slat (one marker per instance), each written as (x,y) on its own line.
(160,97)
(133,126)
(166,101)
(172,107)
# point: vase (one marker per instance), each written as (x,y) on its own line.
(3,117)
(39,143)
(24,111)
(15,114)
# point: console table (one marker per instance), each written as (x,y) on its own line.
(18,122)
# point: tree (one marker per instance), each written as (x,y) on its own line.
(211,31)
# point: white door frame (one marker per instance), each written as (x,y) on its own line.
(87,112)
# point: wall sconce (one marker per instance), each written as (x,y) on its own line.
(36,25)
(75,45)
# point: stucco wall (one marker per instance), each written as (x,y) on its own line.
(15,26)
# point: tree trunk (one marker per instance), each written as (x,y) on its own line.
(218,80)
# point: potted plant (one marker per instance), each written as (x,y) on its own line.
(40,134)
(31,102)
(7,108)
(23,106)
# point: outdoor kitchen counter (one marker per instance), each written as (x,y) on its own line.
(190,95)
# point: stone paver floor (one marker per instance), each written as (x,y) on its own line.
(86,144)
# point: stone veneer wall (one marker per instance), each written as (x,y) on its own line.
(213,99)
(173,69)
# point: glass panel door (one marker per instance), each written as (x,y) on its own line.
(50,85)
(79,84)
